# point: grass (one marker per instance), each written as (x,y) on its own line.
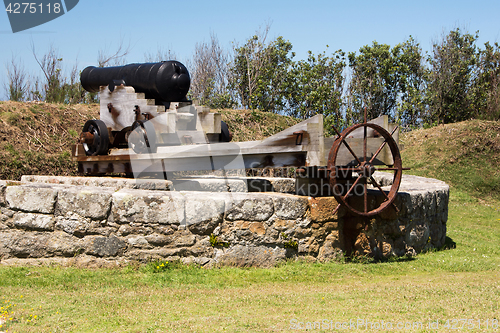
(36,138)
(249,125)
(437,287)
(465,154)
(462,282)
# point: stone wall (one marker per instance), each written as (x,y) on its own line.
(104,220)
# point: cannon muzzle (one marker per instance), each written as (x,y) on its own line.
(166,81)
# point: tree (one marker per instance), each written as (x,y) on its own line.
(413,75)
(316,87)
(260,71)
(211,75)
(52,91)
(375,80)
(161,55)
(104,59)
(489,82)
(17,87)
(57,88)
(452,89)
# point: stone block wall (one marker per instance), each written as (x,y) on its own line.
(99,220)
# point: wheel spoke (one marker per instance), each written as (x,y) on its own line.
(352,187)
(349,169)
(379,187)
(378,151)
(352,153)
(382,146)
(386,169)
(364,141)
(366,197)
(348,147)
(345,172)
(336,209)
(383,192)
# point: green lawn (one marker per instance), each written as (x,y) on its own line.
(435,288)
(450,290)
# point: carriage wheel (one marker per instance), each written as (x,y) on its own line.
(142,138)
(95,138)
(364,167)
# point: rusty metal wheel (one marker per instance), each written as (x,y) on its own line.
(364,166)
(95,138)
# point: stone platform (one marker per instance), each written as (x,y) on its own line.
(109,221)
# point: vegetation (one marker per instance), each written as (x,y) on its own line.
(464,154)
(460,281)
(437,286)
(457,286)
(457,81)
(36,137)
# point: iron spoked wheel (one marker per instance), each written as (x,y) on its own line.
(142,138)
(97,138)
(365,168)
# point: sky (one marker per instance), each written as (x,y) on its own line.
(151,25)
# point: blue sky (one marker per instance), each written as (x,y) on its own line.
(150,25)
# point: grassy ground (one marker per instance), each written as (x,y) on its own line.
(459,283)
(465,155)
(36,137)
(444,286)
(435,291)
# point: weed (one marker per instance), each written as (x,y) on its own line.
(159,266)
(11,150)
(215,242)
(291,244)
(73,133)
(13,119)
(6,313)
(10,314)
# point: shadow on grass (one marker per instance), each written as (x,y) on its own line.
(449,244)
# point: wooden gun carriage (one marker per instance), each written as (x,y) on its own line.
(142,131)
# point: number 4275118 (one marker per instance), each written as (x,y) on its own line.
(32,8)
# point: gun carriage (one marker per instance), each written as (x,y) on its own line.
(148,126)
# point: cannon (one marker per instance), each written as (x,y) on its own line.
(143,106)
(148,127)
(165,82)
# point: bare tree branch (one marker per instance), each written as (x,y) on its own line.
(17,86)
(161,55)
(117,58)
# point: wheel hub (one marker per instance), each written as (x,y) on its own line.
(367,170)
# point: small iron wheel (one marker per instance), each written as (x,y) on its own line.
(225,134)
(364,167)
(142,138)
(95,138)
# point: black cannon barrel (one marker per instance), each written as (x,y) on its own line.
(167,81)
